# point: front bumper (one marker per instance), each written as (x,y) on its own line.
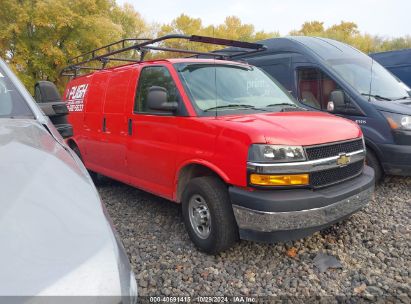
(397,159)
(280,215)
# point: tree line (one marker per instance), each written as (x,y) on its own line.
(37,37)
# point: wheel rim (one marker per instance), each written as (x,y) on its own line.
(199,215)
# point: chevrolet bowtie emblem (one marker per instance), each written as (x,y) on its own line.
(343,160)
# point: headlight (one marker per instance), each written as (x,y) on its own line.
(406,122)
(275,153)
(398,121)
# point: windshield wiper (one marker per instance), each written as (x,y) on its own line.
(245,106)
(377,96)
(402,98)
(282,104)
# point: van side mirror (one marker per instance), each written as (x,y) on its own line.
(50,102)
(337,101)
(45,92)
(157,99)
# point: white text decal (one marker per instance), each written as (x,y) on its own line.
(75,97)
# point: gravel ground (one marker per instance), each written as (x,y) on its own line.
(373,246)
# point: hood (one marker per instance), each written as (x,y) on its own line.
(293,128)
(399,106)
(54,234)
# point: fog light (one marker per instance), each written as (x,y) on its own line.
(279,180)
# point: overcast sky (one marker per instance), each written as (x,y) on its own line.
(389,18)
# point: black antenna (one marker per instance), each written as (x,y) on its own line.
(372,65)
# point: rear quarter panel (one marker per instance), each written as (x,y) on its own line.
(75,96)
(89,138)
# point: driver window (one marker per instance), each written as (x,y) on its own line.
(154,76)
(315,87)
(309,81)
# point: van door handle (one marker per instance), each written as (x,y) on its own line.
(104,125)
(130,126)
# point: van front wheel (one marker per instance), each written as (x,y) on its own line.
(372,161)
(208,215)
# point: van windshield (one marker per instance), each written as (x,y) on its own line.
(12,104)
(225,89)
(376,85)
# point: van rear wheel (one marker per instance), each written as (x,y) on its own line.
(208,215)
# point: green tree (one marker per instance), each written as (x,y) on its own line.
(183,25)
(394,43)
(133,25)
(349,33)
(232,28)
(38,36)
(310,28)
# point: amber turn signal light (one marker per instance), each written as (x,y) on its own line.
(392,123)
(279,180)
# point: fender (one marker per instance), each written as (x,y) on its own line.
(202,162)
(373,147)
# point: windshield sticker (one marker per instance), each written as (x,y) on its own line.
(252,85)
(1,75)
(75,97)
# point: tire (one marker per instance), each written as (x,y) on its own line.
(372,161)
(222,232)
(94,176)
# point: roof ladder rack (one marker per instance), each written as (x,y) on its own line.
(105,54)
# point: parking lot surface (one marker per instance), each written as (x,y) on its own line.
(373,248)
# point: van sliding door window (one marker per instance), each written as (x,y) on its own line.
(154,76)
(315,87)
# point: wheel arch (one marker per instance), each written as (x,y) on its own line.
(373,147)
(192,169)
(379,170)
(73,144)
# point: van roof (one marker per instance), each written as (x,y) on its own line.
(171,61)
(198,60)
(393,58)
(323,48)
(179,60)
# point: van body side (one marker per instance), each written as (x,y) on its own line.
(153,125)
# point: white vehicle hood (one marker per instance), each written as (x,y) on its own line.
(55,237)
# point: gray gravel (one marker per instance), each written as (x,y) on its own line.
(373,246)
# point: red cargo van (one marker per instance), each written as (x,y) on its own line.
(222,138)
